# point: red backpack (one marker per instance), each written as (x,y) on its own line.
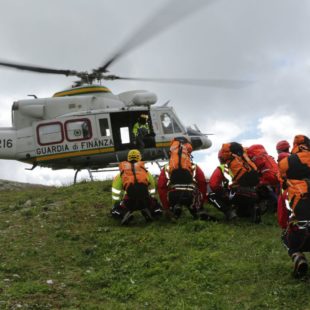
(266,165)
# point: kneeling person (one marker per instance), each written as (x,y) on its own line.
(181,182)
(134,189)
(295,173)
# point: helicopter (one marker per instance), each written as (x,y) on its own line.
(86,126)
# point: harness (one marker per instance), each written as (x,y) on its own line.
(185,187)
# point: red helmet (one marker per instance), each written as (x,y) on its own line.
(283,146)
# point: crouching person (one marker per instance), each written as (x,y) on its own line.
(295,173)
(182,183)
(219,192)
(244,178)
(133,189)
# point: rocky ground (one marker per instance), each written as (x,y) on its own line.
(10,185)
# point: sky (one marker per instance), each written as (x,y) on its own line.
(264,41)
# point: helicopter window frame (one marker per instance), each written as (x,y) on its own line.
(89,128)
(104,126)
(173,127)
(48,124)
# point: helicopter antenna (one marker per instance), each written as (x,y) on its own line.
(165,104)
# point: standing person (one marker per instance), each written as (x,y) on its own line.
(244,179)
(141,130)
(134,189)
(295,172)
(182,183)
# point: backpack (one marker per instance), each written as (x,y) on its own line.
(228,149)
(243,170)
(133,173)
(180,164)
(265,163)
(298,166)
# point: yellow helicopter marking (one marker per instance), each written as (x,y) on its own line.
(163,144)
(82,153)
(83,90)
(75,154)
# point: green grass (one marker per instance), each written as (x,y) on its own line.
(64,251)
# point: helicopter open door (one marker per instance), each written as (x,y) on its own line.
(122,130)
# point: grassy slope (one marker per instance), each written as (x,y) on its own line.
(67,236)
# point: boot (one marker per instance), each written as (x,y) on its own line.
(147,215)
(256,215)
(177,210)
(230,215)
(127,218)
(300,265)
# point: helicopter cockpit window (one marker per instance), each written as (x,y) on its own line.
(50,133)
(104,127)
(78,130)
(169,124)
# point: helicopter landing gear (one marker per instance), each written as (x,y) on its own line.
(78,170)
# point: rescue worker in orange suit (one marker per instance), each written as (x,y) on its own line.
(177,188)
(134,189)
(295,172)
(219,190)
(241,193)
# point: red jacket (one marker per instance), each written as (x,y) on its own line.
(216,180)
(163,188)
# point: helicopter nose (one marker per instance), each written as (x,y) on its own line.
(200,142)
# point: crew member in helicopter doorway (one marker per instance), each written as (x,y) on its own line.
(141,131)
(133,189)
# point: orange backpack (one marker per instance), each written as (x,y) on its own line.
(243,170)
(180,156)
(132,173)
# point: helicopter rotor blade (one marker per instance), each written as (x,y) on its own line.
(216,83)
(169,15)
(37,69)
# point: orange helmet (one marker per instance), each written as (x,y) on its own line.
(301,143)
(283,146)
